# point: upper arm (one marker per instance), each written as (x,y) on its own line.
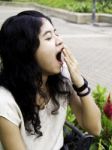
(10,120)
(10,135)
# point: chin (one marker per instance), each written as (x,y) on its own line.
(56,72)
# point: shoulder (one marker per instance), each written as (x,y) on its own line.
(5,95)
(8,106)
(6,98)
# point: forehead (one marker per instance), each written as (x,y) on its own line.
(46,26)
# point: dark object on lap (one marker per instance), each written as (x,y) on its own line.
(75,139)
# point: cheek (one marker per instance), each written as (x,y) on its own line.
(46,51)
(44,57)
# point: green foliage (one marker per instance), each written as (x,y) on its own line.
(79,5)
(104,141)
(6,0)
(72,5)
(70,116)
(99,95)
(82,7)
(103,6)
(52,3)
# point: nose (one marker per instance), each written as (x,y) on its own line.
(59,41)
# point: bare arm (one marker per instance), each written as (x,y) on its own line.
(10,136)
(85,109)
(87,113)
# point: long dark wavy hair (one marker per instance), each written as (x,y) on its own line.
(19,71)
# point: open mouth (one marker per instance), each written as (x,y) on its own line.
(58,57)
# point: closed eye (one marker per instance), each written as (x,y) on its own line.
(49,38)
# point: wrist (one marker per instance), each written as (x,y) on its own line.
(78,82)
(83,90)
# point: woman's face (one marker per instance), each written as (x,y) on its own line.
(48,55)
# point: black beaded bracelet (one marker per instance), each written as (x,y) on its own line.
(82,88)
(84,94)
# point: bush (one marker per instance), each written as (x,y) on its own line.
(82,7)
(6,0)
(104,141)
(102,6)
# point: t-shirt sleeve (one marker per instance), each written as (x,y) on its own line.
(8,107)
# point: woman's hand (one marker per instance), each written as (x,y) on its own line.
(84,108)
(73,67)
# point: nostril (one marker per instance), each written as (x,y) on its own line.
(59,41)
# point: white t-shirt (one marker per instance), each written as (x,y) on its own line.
(52,125)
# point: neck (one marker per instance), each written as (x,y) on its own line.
(44,80)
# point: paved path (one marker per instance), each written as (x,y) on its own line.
(92,46)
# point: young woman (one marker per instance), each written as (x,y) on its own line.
(33,92)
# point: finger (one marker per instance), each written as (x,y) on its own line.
(67,56)
(69,53)
(68,61)
(67,49)
(71,58)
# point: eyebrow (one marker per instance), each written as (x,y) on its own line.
(49,31)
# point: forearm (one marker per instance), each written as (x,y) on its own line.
(90,115)
(82,103)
